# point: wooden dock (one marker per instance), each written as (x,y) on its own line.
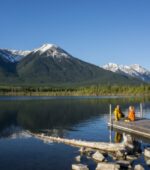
(141,126)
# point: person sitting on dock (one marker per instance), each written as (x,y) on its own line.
(131,114)
(118,113)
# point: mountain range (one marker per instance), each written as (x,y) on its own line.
(50,64)
(134,70)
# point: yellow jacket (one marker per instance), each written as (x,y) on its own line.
(118,114)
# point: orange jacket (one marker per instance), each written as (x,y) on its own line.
(131,115)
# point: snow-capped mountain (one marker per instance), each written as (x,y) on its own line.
(134,70)
(13,55)
(51,50)
(50,64)
(48,49)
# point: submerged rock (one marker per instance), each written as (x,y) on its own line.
(147,160)
(79,167)
(120,154)
(98,156)
(147,152)
(124,163)
(107,166)
(139,167)
(113,156)
(78,158)
(88,157)
(89,150)
(131,157)
(82,150)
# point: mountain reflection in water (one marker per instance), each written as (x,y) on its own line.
(53,116)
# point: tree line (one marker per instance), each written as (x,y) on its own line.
(95,90)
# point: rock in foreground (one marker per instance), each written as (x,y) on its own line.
(124,163)
(79,167)
(138,167)
(78,158)
(98,156)
(108,166)
(147,152)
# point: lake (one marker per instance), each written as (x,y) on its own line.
(69,117)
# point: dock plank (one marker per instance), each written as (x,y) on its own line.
(140,126)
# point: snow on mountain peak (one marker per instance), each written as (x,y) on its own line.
(48,50)
(134,70)
(45,47)
(20,52)
(139,68)
(13,55)
(52,50)
(111,66)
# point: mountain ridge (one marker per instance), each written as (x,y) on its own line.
(50,64)
(134,70)
(17,55)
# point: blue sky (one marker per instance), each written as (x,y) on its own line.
(97,31)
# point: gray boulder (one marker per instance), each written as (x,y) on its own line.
(124,163)
(131,157)
(82,150)
(120,154)
(138,167)
(107,166)
(147,160)
(147,152)
(78,158)
(79,167)
(98,156)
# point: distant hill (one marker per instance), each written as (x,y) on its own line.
(134,70)
(50,64)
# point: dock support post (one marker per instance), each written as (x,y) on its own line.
(110,114)
(110,121)
(141,110)
(110,135)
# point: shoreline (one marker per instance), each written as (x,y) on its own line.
(70,94)
(125,91)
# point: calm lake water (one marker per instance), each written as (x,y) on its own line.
(70,117)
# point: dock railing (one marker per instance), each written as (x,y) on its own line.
(110,121)
(141,110)
(110,113)
(140,113)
